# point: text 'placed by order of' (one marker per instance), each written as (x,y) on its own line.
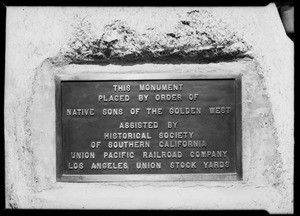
(148,127)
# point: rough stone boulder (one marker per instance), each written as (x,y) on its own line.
(197,37)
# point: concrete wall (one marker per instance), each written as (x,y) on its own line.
(43,42)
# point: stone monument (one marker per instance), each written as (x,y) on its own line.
(148,108)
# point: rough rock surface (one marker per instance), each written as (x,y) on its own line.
(251,41)
(197,37)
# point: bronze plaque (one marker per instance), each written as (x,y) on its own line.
(148,128)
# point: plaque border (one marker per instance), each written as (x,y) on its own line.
(93,76)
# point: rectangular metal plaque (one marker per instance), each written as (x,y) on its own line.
(164,129)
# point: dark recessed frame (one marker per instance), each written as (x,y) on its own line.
(62,176)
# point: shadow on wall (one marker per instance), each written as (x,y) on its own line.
(286,12)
